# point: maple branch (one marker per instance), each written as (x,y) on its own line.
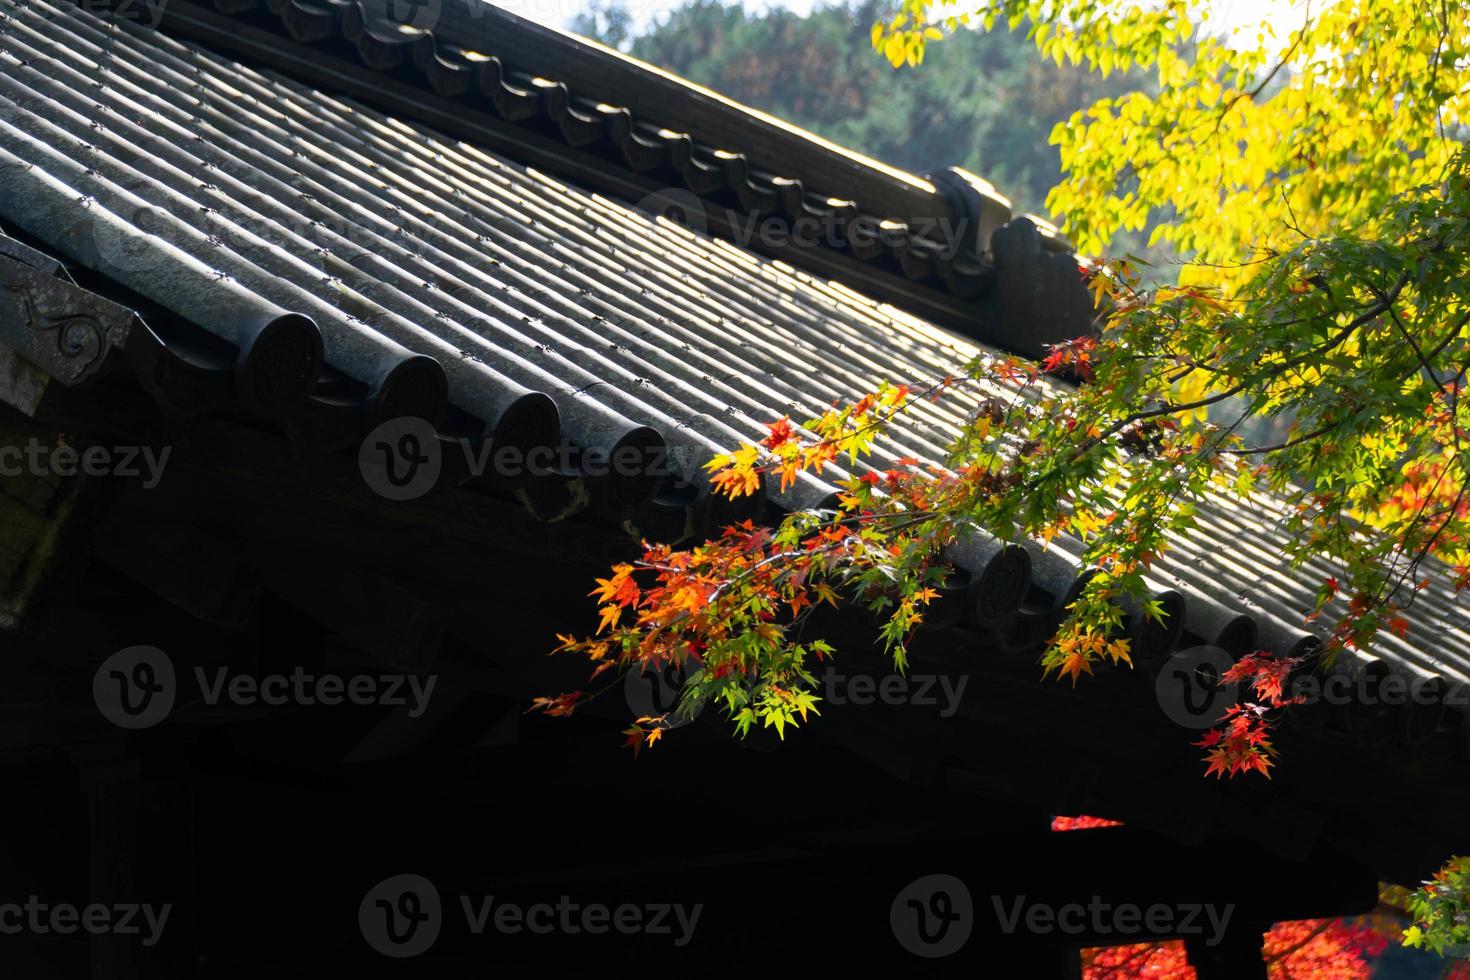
(1423,552)
(744,575)
(1295,441)
(1176,408)
(1254,93)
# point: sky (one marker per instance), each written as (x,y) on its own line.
(1229,14)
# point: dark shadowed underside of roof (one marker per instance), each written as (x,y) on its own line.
(438,273)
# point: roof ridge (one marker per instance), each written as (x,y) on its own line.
(593,47)
(922,243)
(655,122)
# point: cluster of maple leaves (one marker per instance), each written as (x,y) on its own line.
(1118,464)
(725,611)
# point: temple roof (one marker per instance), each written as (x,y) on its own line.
(202,205)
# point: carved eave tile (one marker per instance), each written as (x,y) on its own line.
(60,328)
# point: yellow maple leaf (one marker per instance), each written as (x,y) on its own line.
(610,616)
(1075,665)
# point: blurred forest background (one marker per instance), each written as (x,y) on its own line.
(985,102)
